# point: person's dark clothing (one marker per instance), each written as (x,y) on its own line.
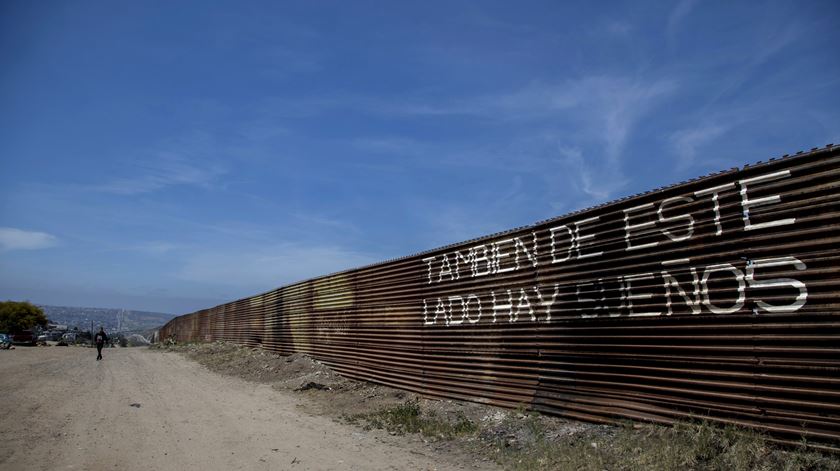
(99,339)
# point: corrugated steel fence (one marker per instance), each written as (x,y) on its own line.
(716,297)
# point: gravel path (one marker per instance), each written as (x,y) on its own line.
(137,409)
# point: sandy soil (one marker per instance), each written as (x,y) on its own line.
(139,409)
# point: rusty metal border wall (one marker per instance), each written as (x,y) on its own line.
(716,297)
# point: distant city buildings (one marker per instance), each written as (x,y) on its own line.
(68,318)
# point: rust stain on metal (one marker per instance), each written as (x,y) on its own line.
(713,298)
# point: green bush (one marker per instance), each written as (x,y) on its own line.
(17,316)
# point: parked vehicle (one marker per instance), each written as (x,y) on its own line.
(24,337)
(5,342)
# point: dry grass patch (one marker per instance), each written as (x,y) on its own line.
(686,446)
(409,417)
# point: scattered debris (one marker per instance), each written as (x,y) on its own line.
(313,385)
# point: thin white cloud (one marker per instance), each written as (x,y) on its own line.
(604,107)
(610,104)
(268,267)
(193,159)
(759,54)
(282,62)
(452,222)
(18,239)
(146,248)
(622,103)
(168,169)
(391,145)
(687,142)
(597,189)
(482,19)
(676,18)
(155,248)
(601,114)
(618,28)
(590,121)
(321,221)
(536,101)
(260,131)
(596,114)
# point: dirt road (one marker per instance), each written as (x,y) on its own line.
(139,409)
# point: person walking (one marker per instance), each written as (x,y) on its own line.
(100,338)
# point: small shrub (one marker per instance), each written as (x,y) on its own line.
(409,418)
(685,446)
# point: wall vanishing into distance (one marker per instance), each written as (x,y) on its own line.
(716,297)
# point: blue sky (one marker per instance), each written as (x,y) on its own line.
(170,156)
